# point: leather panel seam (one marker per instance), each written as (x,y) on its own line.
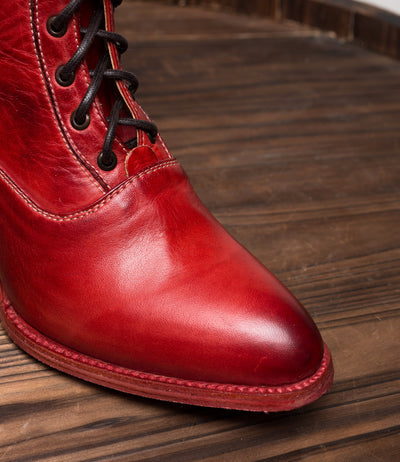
(94,208)
(95,103)
(89,170)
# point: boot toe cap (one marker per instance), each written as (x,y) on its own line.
(292,352)
(283,346)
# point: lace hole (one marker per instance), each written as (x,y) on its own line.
(62,80)
(53,31)
(107,167)
(80,125)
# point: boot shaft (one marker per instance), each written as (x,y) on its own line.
(54,161)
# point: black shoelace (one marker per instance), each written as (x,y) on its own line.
(65,75)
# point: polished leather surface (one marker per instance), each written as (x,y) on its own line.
(53,162)
(131,270)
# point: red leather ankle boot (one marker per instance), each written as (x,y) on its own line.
(111,269)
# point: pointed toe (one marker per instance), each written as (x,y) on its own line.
(293,349)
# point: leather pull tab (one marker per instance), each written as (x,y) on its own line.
(139,158)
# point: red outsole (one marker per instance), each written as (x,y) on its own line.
(229,396)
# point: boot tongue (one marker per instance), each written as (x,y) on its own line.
(146,153)
(134,109)
(106,95)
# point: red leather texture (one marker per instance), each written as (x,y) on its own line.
(133,271)
(40,147)
(147,279)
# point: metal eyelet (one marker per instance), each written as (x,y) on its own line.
(55,32)
(61,80)
(107,167)
(80,125)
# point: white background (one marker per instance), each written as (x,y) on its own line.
(391,5)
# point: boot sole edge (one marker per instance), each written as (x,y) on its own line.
(199,393)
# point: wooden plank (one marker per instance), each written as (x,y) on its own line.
(354,21)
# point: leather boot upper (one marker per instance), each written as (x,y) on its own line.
(124,265)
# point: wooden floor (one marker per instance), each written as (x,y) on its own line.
(292,139)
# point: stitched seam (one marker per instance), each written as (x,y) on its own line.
(87,174)
(56,108)
(115,63)
(131,104)
(78,215)
(95,104)
(165,147)
(55,347)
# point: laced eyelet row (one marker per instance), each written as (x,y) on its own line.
(107,167)
(66,82)
(53,31)
(61,79)
(80,125)
(57,26)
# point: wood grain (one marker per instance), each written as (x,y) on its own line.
(292,140)
(351,20)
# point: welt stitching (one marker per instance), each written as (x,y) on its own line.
(77,215)
(26,332)
(67,135)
